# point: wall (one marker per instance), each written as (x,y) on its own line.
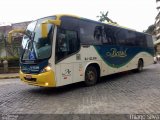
(11,49)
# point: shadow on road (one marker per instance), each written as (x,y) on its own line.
(81,85)
(58,90)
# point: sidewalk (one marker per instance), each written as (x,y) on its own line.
(9,75)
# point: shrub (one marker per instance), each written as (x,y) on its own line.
(12,61)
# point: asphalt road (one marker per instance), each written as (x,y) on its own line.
(125,93)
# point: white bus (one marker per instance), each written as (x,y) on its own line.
(64,49)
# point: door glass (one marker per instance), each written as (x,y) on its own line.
(67,43)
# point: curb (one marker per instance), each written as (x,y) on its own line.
(9,77)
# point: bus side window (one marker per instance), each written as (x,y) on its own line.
(67,43)
(131,36)
(149,41)
(109,35)
(141,40)
(90,33)
(121,37)
(98,34)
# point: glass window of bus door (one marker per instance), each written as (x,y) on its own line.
(67,43)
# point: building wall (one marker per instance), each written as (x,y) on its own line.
(157,30)
(11,49)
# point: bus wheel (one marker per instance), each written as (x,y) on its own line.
(140,66)
(91,76)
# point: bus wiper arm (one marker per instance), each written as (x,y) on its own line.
(30,34)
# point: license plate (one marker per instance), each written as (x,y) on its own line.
(28,76)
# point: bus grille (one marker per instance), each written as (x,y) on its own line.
(31,79)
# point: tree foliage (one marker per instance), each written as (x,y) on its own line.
(104,17)
(151,29)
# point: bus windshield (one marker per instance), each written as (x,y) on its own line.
(34,47)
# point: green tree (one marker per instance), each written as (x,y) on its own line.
(104,17)
(2,42)
(151,29)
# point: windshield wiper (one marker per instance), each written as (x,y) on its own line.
(30,34)
(29,43)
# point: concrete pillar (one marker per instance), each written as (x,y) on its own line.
(5,66)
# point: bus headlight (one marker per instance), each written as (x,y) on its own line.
(46,69)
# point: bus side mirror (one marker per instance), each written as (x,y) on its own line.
(44,30)
(14,31)
(44,26)
(55,22)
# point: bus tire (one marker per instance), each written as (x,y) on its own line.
(91,76)
(140,65)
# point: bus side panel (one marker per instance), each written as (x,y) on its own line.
(120,58)
(69,71)
(58,75)
(88,56)
(78,72)
(148,59)
(72,69)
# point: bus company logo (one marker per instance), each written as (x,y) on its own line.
(67,72)
(115,53)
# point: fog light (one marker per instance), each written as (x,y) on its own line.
(46,69)
(46,84)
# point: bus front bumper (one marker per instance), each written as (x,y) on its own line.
(46,79)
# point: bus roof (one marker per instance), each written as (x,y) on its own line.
(112,24)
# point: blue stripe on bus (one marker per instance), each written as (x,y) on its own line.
(118,56)
(33,69)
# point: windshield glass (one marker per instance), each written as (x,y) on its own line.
(33,45)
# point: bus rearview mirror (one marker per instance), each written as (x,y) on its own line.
(44,26)
(55,22)
(44,30)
